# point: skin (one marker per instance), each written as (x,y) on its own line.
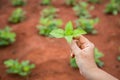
(83,50)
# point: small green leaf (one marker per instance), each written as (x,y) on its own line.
(69,38)
(78,32)
(73,63)
(57,33)
(118,58)
(69,28)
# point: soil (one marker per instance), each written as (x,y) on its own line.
(51,56)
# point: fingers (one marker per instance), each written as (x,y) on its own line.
(75,48)
(84,42)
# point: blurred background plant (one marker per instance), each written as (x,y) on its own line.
(6,36)
(18,15)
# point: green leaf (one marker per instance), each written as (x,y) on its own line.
(57,33)
(73,63)
(118,58)
(69,28)
(69,38)
(78,32)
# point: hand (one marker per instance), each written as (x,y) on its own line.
(83,50)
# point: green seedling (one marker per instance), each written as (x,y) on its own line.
(87,24)
(15,67)
(81,10)
(113,7)
(6,36)
(94,1)
(18,2)
(17,16)
(70,2)
(69,33)
(49,12)
(73,63)
(46,2)
(98,55)
(118,58)
(47,25)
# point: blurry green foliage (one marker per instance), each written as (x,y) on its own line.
(46,2)
(6,36)
(47,25)
(87,24)
(94,1)
(113,7)
(17,16)
(81,10)
(49,12)
(18,2)
(71,2)
(15,67)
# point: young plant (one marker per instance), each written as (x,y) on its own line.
(15,67)
(98,55)
(81,10)
(17,16)
(70,2)
(46,2)
(87,24)
(18,2)
(94,1)
(47,25)
(49,12)
(113,7)
(69,33)
(118,58)
(6,36)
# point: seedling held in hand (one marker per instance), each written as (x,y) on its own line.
(15,67)
(6,36)
(17,16)
(69,33)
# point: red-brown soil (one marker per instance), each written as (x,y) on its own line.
(51,56)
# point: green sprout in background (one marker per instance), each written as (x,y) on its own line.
(81,10)
(113,7)
(17,16)
(68,33)
(6,36)
(15,67)
(47,25)
(18,2)
(70,2)
(87,24)
(94,1)
(46,2)
(49,12)
(97,54)
(118,58)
